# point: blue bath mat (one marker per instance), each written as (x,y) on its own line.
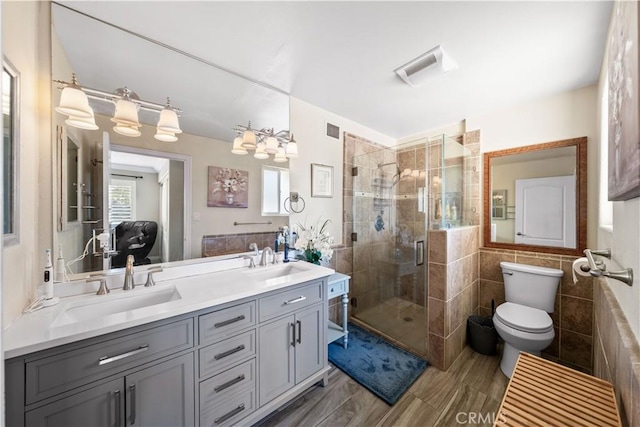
(386,370)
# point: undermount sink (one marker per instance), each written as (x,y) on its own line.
(102,306)
(275,272)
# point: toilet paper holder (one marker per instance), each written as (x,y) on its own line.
(598,268)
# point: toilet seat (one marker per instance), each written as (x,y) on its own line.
(523,318)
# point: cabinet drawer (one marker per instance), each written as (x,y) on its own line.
(56,374)
(222,324)
(337,289)
(230,409)
(227,353)
(237,378)
(290,301)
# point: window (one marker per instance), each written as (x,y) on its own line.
(122,201)
(275,189)
(10,145)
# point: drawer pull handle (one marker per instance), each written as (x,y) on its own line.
(228,322)
(132,389)
(228,415)
(295,300)
(105,359)
(229,384)
(116,396)
(229,352)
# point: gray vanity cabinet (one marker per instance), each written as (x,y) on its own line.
(291,351)
(160,395)
(100,406)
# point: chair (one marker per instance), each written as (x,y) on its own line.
(134,238)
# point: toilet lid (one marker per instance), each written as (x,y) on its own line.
(523,318)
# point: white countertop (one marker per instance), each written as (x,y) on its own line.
(198,290)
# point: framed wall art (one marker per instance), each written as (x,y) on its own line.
(321,180)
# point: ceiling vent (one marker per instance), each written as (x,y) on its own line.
(425,67)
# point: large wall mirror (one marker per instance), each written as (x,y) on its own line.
(140,179)
(535,197)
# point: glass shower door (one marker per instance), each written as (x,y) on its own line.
(389,283)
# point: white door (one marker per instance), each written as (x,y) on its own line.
(546,211)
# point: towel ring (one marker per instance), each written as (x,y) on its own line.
(291,209)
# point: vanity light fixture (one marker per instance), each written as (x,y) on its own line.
(265,142)
(74,102)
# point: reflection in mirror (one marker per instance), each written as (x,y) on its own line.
(213,102)
(10,144)
(535,197)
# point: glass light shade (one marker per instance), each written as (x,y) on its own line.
(126,113)
(74,102)
(238,148)
(280,157)
(165,136)
(260,153)
(249,139)
(292,149)
(127,130)
(168,121)
(88,123)
(272,145)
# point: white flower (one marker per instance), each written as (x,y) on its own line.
(315,238)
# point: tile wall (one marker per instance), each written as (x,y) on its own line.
(453,291)
(223,244)
(616,354)
(573,314)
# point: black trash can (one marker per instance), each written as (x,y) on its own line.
(482,335)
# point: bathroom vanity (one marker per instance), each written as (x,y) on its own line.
(214,349)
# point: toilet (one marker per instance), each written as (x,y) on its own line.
(523,321)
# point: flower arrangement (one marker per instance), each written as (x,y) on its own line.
(314,242)
(230,181)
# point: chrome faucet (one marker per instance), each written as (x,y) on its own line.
(104,289)
(254,247)
(128,275)
(252,264)
(150,282)
(263,260)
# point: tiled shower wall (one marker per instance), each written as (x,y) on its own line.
(453,291)
(616,355)
(573,314)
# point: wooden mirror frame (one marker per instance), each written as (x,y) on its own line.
(581,197)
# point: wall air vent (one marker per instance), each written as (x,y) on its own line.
(333,131)
(425,67)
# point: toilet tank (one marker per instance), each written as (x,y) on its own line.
(531,285)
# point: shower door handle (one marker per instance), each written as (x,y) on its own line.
(418,252)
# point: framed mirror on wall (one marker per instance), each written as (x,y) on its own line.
(10,154)
(535,197)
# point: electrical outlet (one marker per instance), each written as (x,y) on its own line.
(196,216)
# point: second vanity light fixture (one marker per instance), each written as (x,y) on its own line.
(74,102)
(265,142)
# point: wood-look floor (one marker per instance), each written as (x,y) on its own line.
(467,394)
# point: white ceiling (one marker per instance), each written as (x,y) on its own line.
(136,162)
(341,55)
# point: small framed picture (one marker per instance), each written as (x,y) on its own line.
(321,180)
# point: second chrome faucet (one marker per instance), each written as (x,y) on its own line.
(128,275)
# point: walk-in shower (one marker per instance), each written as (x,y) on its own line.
(398,194)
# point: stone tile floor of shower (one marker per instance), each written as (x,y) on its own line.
(400,320)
